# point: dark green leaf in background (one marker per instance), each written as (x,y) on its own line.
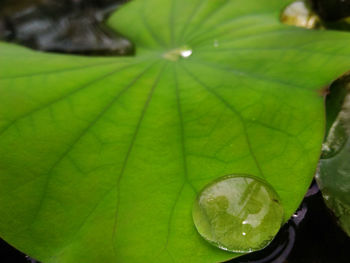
(334,170)
(102,158)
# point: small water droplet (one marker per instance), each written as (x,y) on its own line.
(238,213)
(175,54)
(216,43)
(186,53)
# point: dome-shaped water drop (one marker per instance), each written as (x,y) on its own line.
(238,213)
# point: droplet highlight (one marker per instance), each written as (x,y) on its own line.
(238,213)
(216,43)
(175,54)
(186,53)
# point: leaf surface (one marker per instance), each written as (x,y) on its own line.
(102,158)
(334,168)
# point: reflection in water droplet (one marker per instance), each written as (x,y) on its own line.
(175,54)
(186,53)
(216,43)
(238,213)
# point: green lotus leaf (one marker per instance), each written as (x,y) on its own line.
(102,158)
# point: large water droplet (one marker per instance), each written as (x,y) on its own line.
(238,213)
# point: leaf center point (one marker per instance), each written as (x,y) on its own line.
(177,53)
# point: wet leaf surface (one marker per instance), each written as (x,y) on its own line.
(334,170)
(102,157)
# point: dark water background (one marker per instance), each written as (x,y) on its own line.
(76,26)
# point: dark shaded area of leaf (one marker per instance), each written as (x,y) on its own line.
(335,99)
(331,10)
(71,26)
(334,169)
(337,111)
